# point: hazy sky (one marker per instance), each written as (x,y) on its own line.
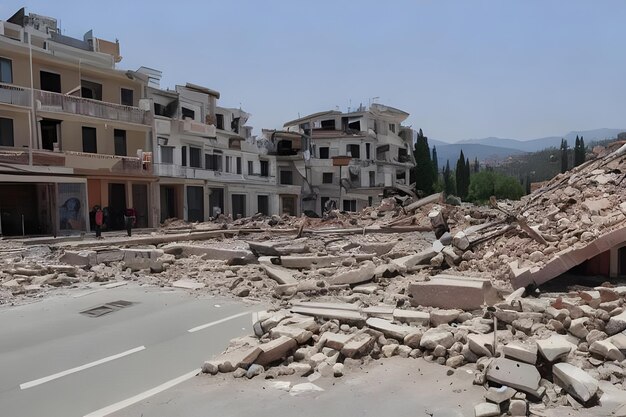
(462,69)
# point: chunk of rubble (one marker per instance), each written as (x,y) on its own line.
(524,352)
(500,394)
(275,350)
(448,291)
(355,276)
(616,324)
(481,344)
(280,275)
(357,346)
(420,318)
(575,381)
(555,347)
(228,362)
(300,335)
(188,284)
(388,328)
(335,340)
(304,388)
(436,336)
(486,410)
(440,316)
(379,248)
(607,350)
(411,261)
(518,375)
(380,311)
(209,252)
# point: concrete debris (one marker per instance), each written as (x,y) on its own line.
(555,347)
(446,291)
(486,410)
(518,375)
(575,381)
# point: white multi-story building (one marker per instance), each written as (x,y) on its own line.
(376,148)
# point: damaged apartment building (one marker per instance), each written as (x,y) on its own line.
(74,131)
(207,160)
(351,159)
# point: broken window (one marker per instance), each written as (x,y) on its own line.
(356,125)
(328,124)
(50,81)
(90,89)
(219,121)
(49,133)
(119,141)
(324,152)
(392,127)
(6,132)
(265,168)
(353,151)
(349,205)
(90,144)
(127,97)
(403,155)
(327,178)
(194,157)
(188,113)
(6,71)
(167,154)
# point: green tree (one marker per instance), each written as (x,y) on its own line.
(449,185)
(423,171)
(489,183)
(579,151)
(583,151)
(435,163)
(564,164)
(462,176)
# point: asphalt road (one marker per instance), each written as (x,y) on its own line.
(55,361)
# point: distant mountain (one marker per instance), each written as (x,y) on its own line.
(535,145)
(485,153)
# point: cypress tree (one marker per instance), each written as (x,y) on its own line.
(582,151)
(564,164)
(448,184)
(424,174)
(462,180)
(435,162)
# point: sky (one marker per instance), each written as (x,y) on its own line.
(463,69)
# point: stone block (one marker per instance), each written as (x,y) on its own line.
(518,375)
(607,350)
(524,352)
(555,347)
(486,410)
(275,350)
(411,316)
(388,328)
(357,346)
(282,276)
(300,335)
(575,381)
(436,336)
(447,292)
(358,275)
(439,316)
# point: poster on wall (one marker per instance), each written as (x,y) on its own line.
(72,207)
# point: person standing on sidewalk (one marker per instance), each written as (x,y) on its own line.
(99,218)
(130,218)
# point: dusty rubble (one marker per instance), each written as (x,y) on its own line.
(410,278)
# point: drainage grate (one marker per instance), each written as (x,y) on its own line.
(107,308)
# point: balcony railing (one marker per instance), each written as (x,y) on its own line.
(61,103)
(17,96)
(197,128)
(110,163)
(177,171)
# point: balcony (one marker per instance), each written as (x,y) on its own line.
(177,171)
(19,156)
(60,103)
(108,163)
(16,96)
(192,127)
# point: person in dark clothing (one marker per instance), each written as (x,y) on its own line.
(130,218)
(99,220)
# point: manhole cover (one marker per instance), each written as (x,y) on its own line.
(107,308)
(98,311)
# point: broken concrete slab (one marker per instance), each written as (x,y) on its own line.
(228,362)
(518,375)
(486,410)
(411,316)
(282,276)
(575,381)
(441,316)
(607,350)
(481,344)
(334,340)
(555,347)
(500,394)
(275,350)
(307,262)
(355,276)
(357,346)
(388,328)
(380,311)
(300,335)
(206,252)
(411,261)
(448,291)
(436,336)
(329,313)
(616,324)
(379,248)
(524,352)
(188,284)
(79,258)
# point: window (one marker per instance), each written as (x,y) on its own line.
(238,165)
(229,160)
(6,71)
(219,121)
(263,204)
(324,152)
(49,133)
(50,81)
(90,143)
(265,168)
(349,205)
(327,178)
(370,201)
(127,97)
(250,167)
(119,139)
(239,205)
(354,151)
(167,154)
(194,157)
(213,162)
(286,177)
(183,151)
(367,151)
(355,126)
(372,179)
(89,89)
(328,124)
(188,113)
(6,132)
(392,127)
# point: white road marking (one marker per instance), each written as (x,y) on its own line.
(140,397)
(82,294)
(40,381)
(213,323)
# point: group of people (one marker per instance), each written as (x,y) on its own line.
(101,217)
